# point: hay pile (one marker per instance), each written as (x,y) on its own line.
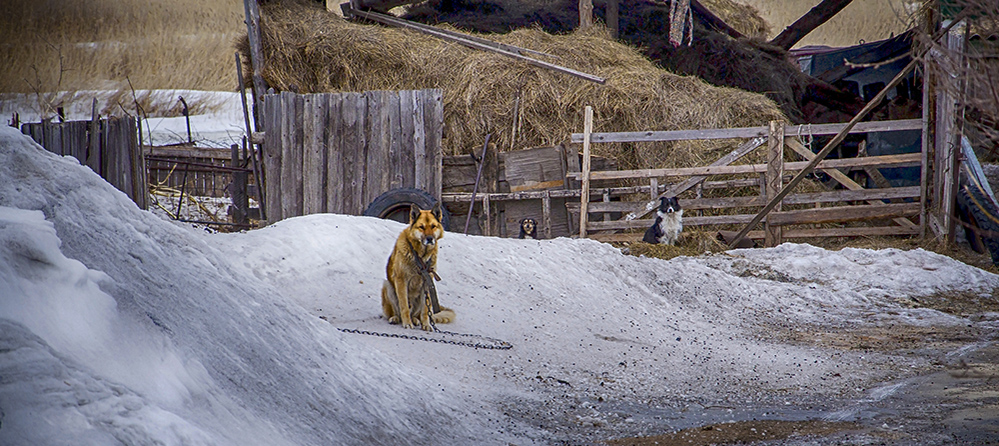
(310,50)
(743,18)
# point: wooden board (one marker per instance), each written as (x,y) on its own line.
(908,159)
(338,152)
(748,132)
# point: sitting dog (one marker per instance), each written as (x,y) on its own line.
(668,224)
(411,268)
(528,228)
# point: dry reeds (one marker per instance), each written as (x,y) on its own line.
(49,46)
(310,50)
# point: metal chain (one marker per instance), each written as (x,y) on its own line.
(430,294)
(493,343)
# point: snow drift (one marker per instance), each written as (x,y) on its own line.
(119,327)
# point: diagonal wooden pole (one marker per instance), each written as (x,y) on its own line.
(822,153)
(846,130)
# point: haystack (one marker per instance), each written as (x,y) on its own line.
(310,50)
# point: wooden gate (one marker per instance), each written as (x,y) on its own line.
(336,152)
(852,203)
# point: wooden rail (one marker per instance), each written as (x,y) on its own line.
(853,203)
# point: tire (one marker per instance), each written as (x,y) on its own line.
(394,205)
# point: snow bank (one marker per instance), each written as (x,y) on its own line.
(124,326)
(119,327)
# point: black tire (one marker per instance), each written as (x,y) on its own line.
(394,205)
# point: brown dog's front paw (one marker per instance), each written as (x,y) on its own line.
(393,320)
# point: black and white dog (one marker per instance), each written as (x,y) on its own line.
(669,222)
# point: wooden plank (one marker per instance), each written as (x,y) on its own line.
(433,117)
(748,132)
(803,216)
(844,213)
(340,116)
(207,153)
(774,179)
(421,165)
(835,196)
(908,159)
(584,196)
(252,15)
(274,112)
(546,214)
(533,169)
(314,117)
(290,168)
(789,233)
(673,191)
(353,111)
(846,181)
(463,40)
(397,157)
(377,171)
(361,146)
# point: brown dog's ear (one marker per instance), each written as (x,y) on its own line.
(437,211)
(414,213)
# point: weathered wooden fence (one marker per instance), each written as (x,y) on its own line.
(336,152)
(895,204)
(110,147)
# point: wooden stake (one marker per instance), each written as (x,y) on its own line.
(584,196)
(775,173)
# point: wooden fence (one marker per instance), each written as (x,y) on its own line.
(110,147)
(854,202)
(337,152)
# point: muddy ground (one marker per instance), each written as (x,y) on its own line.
(953,400)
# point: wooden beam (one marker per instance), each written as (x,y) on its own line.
(774,178)
(585,14)
(818,15)
(252,19)
(835,196)
(613,7)
(783,218)
(789,233)
(907,159)
(835,174)
(472,42)
(731,157)
(584,196)
(749,132)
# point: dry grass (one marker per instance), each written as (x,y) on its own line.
(69,45)
(310,50)
(862,20)
(741,16)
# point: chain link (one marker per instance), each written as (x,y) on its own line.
(490,343)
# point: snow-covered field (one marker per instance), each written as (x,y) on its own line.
(118,327)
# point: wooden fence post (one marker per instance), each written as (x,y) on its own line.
(546,213)
(237,190)
(773,235)
(584,195)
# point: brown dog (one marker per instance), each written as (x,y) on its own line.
(410,268)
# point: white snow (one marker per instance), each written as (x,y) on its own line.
(118,327)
